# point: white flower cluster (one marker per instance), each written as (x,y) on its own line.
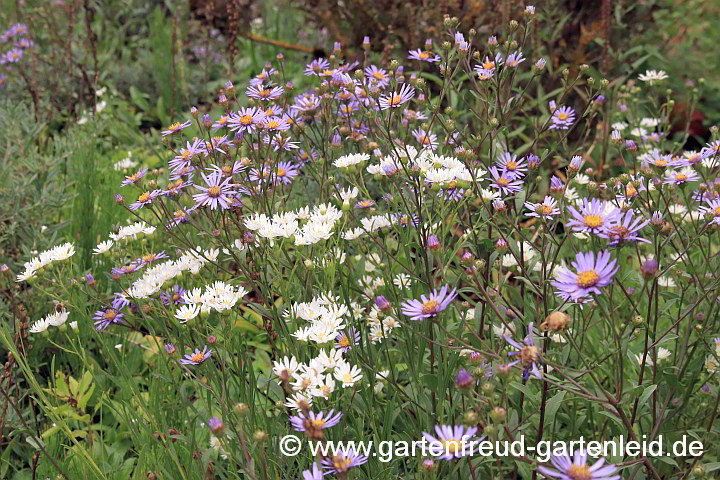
(132,231)
(55,254)
(347,161)
(319,225)
(316,379)
(54,319)
(381,325)
(326,317)
(154,277)
(219,296)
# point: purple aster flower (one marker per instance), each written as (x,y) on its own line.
(346,342)
(591,274)
(314,474)
(106,317)
(578,469)
(174,296)
(317,66)
(275,124)
(364,204)
(511,167)
(260,92)
(591,217)
(382,303)
(307,102)
(426,139)
(428,307)
(170,348)
(397,99)
(411,115)
(304,157)
(216,425)
(529,354)
(622,228)
(221,122)
(343,461)
(145,198)
(404,220)
(680,177)
(218,192)
(546,209)
(649,268)
(196,358)
(279,142)
(230,170)
(423,56)
(176,127)
(562,118)
(503,183)
(285,172)
(713,209)
(314,423)
(453,441)
(246,120)
(120,301)
(134,178)
(533,161)
(514,59)
(187,154)
(557,186)
(377,76)
(489,65)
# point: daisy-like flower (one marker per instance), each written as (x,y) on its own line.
(285,172)
(196,358)
(546,209)
(489,65)
(423,56)
(592,216)
(275,124)
(260,92)
(680,177)
(511,167)
(591,274)
(314,423)
(105,318)
(622,228)
(562,118)
(342,462)
(662,354)
(346,341)
(502,182)
(653,76)
(347,161)
(453,441)
(187,312)
(134,178)
(376,75)
(402,281)
(426,139)
(103,247)
(578,468)
(286,368)
(175,128)
(430,306)
(317,66)
(219,192)
(397,99)
(529,354)
(514,59)
(712,209)
(348,375)
(145,198)
(245,120)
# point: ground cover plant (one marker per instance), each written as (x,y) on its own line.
(465,242)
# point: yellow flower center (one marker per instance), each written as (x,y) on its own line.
(619,232)
(144,197)
(562,116)
(694,158)
(341,464)
(661,163)
(110,315)
(488,65)
(227,170)
(425,55)
(579,472)
(630,191)
(179,214)
(425,140)
(502,181)
(318,423)
(347,378)
(174,126)
(430,307)
(681,177)
(587,279)
(529,354)
(395,100)
(149,257)
(273,124)
(452,445)
(344,342)
(379,75)
(717,211)
(197,357)
(593,221)
(214,191)
(281,172)
(223,120)
(544,209)
(511,165)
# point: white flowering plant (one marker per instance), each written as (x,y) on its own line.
(440,250)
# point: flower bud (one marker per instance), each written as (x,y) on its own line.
(498,414)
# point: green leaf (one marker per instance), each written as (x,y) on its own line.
(646,394)
(552,407)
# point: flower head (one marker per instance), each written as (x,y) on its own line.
(528,352)
(196,358)
(591,274)
(578,469)
(429,306)
(454,441)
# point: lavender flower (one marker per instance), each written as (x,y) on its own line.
(313,424)
(562,118)
(346,342)
(342,462)
(196,358)
(622,228)
(503,183)
(175,127)
(455,441)
(529,354)
(591,217)
(592,273)
(578,469)
(396,99)
(546,209)
(511,167)
(218,192)
(107,317)
(429,306)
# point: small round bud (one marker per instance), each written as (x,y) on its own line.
(513,24)
(498,414)
(260,436)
